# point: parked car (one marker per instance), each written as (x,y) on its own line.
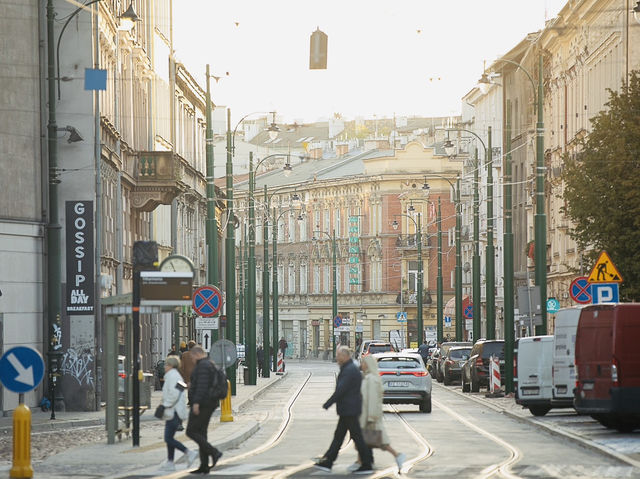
(405,379)
(564,344)
(608,365)
(475,372)
(444,348)
(533,360)
(377,347)
(452,363)
(363,346)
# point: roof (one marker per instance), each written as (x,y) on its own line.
(293,135)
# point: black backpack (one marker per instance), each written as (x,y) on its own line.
(219,389)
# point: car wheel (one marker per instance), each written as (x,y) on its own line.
(465,386)
(539,410)
(425,405)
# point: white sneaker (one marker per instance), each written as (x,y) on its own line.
(353,467)
(182,458)
(191,457)
(400,458)
(167,466)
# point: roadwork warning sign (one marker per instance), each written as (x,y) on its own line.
(604,271)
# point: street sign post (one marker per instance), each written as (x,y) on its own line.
(604,271)
(468,312)
(447,321)
(605,293)
(337,322)
(206,339)
(21,369)
(224,353)
(401,316)
(553,305)
(207,301)
(206,323)
(580,290)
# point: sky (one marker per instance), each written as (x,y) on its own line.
(385,57)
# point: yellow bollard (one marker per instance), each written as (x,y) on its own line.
(225,409)
(21,443)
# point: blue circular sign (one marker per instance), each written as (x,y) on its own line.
(468,312)
(553,305)
(207,301)
(337,321)
(580,290)
(21,369)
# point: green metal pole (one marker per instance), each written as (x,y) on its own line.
(230,247)
(54,289)
(458,265)
(265,289)
(241,297)
(246,279)
(540,220)
(508,261)
(250,346)
(211,224)
(334,296)
(419,297)
(275,295)
(477,293)
(490,250)
(440,299)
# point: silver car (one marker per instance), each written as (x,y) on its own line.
(405,379)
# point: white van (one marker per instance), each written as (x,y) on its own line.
(534,358)
(564,342)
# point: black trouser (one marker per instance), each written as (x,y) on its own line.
(197,430)
(351,424)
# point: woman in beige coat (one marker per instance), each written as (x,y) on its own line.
(371,416)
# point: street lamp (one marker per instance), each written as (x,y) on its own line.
(420,324)
(334,294)
(490,250)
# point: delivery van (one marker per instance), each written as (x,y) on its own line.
(534,363)
(564,342)
(608,364)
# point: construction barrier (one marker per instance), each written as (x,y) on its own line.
(495,381)
(280,369)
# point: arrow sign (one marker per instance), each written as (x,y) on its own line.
(21,369)
(206,340)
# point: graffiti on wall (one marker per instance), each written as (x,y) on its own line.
(78,365)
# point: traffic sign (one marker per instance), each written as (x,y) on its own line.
(21,369)
(224,353)
(206,323)
(580,290)
(207,301)
(447,321)
(468,312)
(206,339)
(337,322)
(605,293)
(604,271)
(401,316)
(553,305)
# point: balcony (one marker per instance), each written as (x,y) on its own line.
(408,242)
(157,176)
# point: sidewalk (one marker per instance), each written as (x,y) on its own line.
(121,458)
(581,430)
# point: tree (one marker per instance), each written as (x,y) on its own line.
(602,186)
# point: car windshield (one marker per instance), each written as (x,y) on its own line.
(380,348)
(398,363)
(493,349)
(459,353)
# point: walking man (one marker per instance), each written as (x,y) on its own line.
(202,406)
(348,400)
(260,358)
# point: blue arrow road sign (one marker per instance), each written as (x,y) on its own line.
(21,369)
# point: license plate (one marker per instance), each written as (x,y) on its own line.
(587,386)
(561,389)
(530,391)
(398,384)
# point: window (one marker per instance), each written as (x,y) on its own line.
(316,221)
(303,279)
(280,227)
(337,224)
(413,277)
(339,284)
(327,221)
(259,233)
(292,227)
(303,229)
(326,276)
(280,279)
(291,280)
(316,279)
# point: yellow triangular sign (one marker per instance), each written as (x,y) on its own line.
(604,271)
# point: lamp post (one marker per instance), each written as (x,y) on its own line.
(418,226)
(477,330)
(230,265)
(334,294)
(458,269)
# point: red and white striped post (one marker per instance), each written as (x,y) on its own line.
(495,381)
(280,369)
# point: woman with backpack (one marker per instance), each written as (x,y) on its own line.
(175,411)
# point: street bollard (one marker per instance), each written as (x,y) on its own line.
(21,443)
(225,411)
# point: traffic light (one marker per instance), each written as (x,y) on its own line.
(318,51)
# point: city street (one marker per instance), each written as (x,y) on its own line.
(462,437)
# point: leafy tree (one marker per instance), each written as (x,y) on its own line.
(602,186)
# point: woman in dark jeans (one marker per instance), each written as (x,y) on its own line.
(174,400)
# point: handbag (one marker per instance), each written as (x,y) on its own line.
(372,437)
(159,412)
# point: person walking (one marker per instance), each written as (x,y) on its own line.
(423,351)
(175,411)
(371,416)
(348,402)
(187,363)
(202,406)
(260,358)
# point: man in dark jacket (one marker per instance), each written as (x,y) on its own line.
(348,402)
(423,351)
(202,406)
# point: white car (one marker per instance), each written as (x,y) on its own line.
(405,379)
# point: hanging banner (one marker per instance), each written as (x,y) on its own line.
(79,248)
(354,250)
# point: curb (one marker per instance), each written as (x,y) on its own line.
(553,430)
(238,438)
(257,393)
